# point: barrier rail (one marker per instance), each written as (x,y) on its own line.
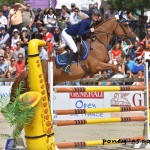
(99,142)
(99,110)
(99,89)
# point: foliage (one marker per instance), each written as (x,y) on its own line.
(130,4)
(9,2)
(18,113)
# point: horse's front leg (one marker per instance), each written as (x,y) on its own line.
(106,66)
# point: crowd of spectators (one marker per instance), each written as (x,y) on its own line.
(19,24)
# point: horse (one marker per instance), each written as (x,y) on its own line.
(97,59)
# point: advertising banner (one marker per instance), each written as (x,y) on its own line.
(84,100)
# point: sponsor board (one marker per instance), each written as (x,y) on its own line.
(84,100)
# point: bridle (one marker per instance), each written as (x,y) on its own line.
(110,34)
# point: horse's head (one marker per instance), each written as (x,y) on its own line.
(123,29)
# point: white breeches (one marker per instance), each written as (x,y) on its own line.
(69,41)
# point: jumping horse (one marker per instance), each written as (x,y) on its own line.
(97,59)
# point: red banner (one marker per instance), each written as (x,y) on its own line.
(87,95)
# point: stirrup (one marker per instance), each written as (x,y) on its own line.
(66,69)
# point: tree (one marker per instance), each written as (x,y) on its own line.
(9,2)
(130,5)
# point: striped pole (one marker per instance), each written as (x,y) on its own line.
(102,120)
(99,89)
(99,110)
(100,142)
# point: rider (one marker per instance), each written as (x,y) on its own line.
(81,29)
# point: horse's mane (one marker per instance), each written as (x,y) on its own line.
(101,23)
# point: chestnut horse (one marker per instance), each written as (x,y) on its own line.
(98,55)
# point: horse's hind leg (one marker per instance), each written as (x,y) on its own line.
(106,66)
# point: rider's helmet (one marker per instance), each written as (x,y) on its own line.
(94,11)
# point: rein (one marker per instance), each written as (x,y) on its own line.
(107,33)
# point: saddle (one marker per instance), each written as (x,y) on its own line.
(62,53)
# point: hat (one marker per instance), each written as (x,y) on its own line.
(44,29)
(39,9)
(15,30)
(73,5)
(24,28)
(141,43)
(2,27)
(35,30)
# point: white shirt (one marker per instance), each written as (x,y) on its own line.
(43,54)
(49,19)
(3,21)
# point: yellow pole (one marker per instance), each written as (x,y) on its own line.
(40,133)
(99,110)
(99,89)
(100,142)
(101,120)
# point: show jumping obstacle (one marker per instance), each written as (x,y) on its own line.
(104,110)
(40,133)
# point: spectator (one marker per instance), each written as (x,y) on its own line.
(133,49)
(28,17)
(64,17)
(140,52)
(15,17)
(73,6)
(4,37)
(15,38)
(1,76)
(121,69)
(25,38)
(3,66)
(36,34)
(19,50)
(11,67)
(126,45)
(140,75)
(110,13)
(8,54)
(146,40)
(116,52)
(20,64)
(104,74)
(8,75)
(50,19)
(5,10)
(39,18)
(76,16)
(58,41)
(3,19)
(43,53)
(47,36)
(1,52)
(132,66)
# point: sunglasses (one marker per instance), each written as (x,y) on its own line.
(24,31)
(15,32)
(13,60)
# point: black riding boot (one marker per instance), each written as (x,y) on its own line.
(70,59)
